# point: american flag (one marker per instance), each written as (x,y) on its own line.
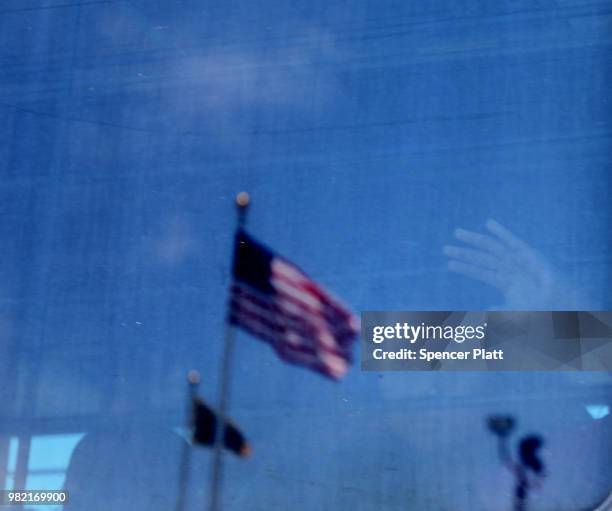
(277,302)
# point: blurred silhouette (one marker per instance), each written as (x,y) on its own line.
(502,426)
(119,468)
(502,260)
(528,453)
(528,470)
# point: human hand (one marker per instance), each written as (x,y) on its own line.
(502,260)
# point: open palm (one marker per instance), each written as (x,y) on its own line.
(499,258)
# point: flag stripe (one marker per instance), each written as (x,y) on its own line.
(292,311)
(304,301)
(297,277)
(244,305)
(296,354)
(277,339)
(308,292)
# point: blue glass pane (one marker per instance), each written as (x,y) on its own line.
(371,136)
(52,452)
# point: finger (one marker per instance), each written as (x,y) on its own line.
(523,252)
(506,236)
(487,276)
(481,241)
(472,256)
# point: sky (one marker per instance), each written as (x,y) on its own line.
(366,133)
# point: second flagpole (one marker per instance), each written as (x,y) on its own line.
(242,204)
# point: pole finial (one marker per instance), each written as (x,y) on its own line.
(193,377)
(243,200)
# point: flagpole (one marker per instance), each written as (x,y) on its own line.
(193,380)
(242,203)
